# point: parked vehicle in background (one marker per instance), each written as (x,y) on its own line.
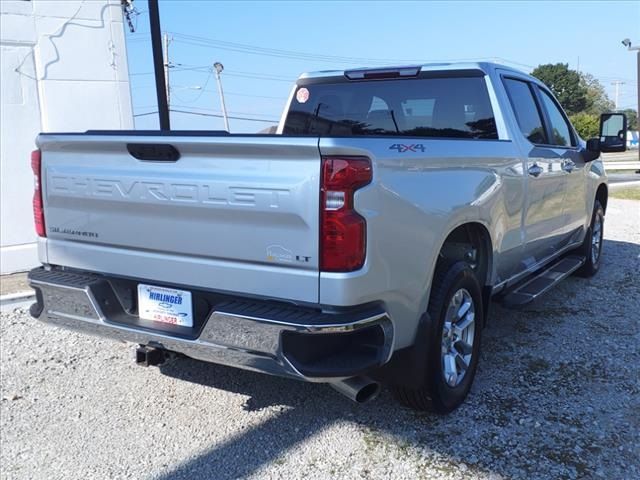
(360,245)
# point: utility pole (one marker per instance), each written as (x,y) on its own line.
(218,67)
(156,48)
(627,43)
(167,65)
(617,84)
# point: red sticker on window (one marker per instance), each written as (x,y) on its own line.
(302,95)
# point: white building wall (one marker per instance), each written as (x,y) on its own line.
(63,67)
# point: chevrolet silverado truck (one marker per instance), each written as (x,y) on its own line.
(360,245)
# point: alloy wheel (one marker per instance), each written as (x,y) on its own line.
(596,239)
(457,337)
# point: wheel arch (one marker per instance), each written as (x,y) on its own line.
(475,234)
(602,195)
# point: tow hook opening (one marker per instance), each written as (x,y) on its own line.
(147,356)
(335,354)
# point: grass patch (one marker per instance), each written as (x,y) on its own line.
(626,193)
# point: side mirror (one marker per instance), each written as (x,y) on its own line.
(613,132)
(592,151)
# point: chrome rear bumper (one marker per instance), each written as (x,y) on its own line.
(260,336)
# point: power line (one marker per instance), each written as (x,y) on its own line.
(202,114)
(254,75)
(278,78)
(252,49)
(201,90)
(298,55)
(237,94)
(281,99)
(260,77)
(307,56)
(221,116)
(137,74)
(206,69)
(139,37)
(204,109)
(145,114)
(216,111)
(269,75)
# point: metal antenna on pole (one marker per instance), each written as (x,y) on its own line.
(218,67)
(617,84)
(156,47)
(167,65)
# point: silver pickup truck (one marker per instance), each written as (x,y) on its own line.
(360,245)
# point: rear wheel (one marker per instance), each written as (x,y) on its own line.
(456,310)
(592,246)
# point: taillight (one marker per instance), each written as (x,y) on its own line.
(38,207)
(343,232)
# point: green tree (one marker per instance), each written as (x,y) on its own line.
(632,118)
(597,100)
(566,85)
(587,124)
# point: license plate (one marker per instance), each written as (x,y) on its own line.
(166,305)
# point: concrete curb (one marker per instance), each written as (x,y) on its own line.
(12,301)
(613,166)
(625,184)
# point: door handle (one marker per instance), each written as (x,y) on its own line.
(535,170)
(568,166)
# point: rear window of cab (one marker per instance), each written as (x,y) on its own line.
(457,107)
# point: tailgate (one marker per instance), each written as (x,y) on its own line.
(233,213)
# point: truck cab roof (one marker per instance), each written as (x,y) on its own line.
(404,71)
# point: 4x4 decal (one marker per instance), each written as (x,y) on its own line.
(402,148)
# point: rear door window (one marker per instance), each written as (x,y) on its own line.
(560,130)
(456,107)
(526,110)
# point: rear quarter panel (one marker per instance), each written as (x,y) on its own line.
(415,200)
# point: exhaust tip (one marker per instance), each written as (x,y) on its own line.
(358,389)
(368,392)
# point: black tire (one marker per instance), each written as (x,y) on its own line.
(436,394)
(588,248)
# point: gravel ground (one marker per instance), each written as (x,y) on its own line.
(14,283)
(557,396)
